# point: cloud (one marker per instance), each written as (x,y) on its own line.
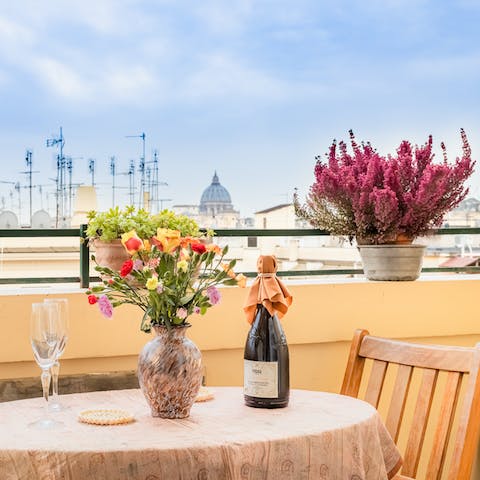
(60,79)
(447,67)
(220,76)
(222,18)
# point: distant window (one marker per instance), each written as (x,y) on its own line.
(264,222)
(252,242)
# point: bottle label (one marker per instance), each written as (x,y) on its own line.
(261,379)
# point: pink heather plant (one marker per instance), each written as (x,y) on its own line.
(378,199)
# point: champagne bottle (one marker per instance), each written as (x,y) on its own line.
(266,363)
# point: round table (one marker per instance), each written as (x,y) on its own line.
(318,436)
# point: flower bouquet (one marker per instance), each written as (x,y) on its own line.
(168,276)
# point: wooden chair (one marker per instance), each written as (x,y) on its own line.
(457,362)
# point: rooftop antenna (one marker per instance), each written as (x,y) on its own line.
(113,171)
(152,181)
(131,181)
(91,170)
(141,167)
(29,172)
(60,181)
(69,165)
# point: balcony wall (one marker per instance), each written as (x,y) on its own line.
(319,327)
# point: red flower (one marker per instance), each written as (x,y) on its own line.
(92,299)
(198,247)
(126,268)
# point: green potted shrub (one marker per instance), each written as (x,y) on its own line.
(104,230)
(385,202)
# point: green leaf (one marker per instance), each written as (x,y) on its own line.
(186,298)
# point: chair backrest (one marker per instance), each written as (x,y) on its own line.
(457,362)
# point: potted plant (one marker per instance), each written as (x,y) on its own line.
(385,202)
(170,278)
(104,230)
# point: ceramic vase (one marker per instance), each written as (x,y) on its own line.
(170,372)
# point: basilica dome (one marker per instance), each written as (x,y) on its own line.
(215,198)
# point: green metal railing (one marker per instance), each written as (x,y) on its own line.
(84,277)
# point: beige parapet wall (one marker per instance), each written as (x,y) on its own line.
(319,327)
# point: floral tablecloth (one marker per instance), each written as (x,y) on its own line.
(318,436)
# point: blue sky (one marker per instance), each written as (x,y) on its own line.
(252,89)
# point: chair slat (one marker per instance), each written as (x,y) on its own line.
(444,426)
(419,423)
(438,357)
(375,382)
(466,440)
(355,365)
(399,399)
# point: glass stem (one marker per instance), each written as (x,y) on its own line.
(46,387)
(54,371)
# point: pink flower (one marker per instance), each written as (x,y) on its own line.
(213,295)
(138,264)
(196,310)
(160,287)
(182,313)
(153,262)
(105,306)
(376,197)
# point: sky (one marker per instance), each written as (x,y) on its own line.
(253,90)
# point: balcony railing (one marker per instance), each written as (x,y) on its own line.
(84,277)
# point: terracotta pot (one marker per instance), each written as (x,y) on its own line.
(110,254)
(170,372)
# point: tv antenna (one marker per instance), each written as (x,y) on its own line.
(29,172)
(152,181)
(61,174)
(141,167)
(113,172)
(91,169)
(69,166)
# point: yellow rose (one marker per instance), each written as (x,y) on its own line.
(182,265)
(167,239)
(132,242)
(152,283)
(241,280)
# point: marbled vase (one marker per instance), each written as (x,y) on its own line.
(170,372)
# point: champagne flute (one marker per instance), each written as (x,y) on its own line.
(45,339)
(62,304)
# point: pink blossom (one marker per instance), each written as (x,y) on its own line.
(153,263)
(196,310)
(213,295)
(377,197)
(105,306)
(137,264)
(182,313)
